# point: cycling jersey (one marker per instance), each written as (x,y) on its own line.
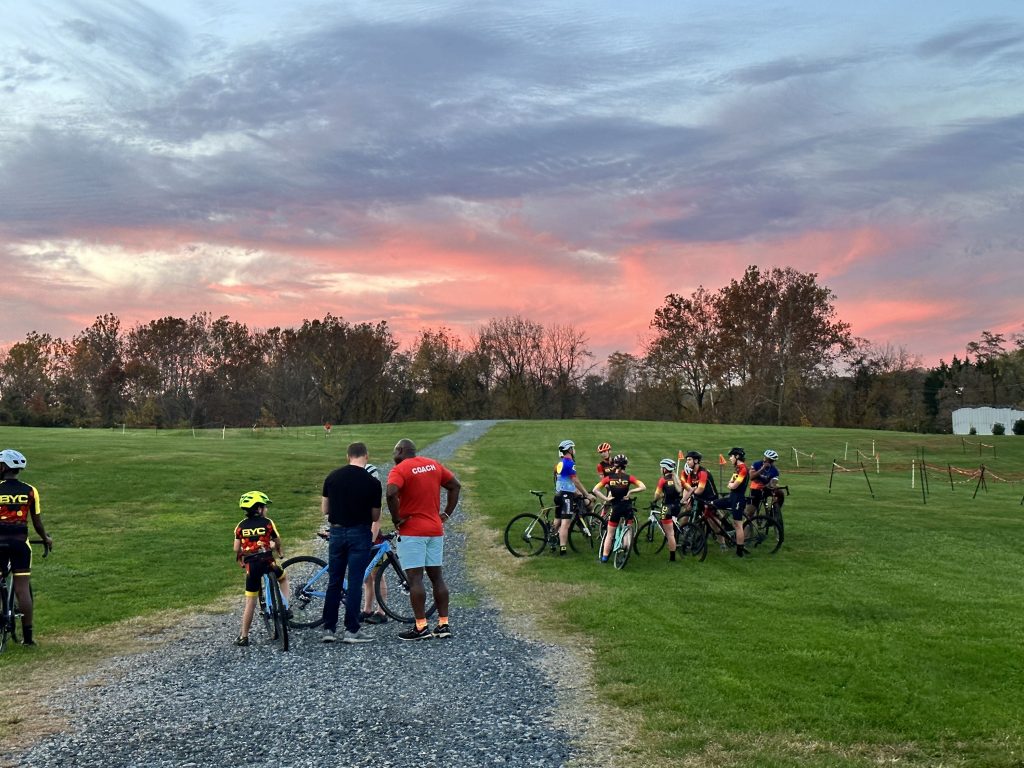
(604,468)
(256,535)
(694,480)
(18,502)
(419,481)
(565,472)
(762,474)
(739,475)
(668,490)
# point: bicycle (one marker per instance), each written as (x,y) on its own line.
(9,615)
(309,577)
(625,535)
(711,523)
(528,533)
(272,607)
(651,537)
(772,510)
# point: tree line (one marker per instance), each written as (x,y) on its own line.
(765,349)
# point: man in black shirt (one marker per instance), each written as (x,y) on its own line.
(351,503)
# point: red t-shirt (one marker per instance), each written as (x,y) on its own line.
(419,482)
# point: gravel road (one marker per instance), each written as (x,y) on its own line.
(479,699)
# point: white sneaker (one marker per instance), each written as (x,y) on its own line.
(355,637)
(328,636)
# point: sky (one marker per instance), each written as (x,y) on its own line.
(439,164)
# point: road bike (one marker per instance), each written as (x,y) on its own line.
(309,576)
(10,614)
(527,534)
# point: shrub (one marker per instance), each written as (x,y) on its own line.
(998,429)
(973,431)
(1018,427)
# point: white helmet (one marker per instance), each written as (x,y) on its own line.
(771,455)
(12,459)
(668,464)
(566,445)
(372,469)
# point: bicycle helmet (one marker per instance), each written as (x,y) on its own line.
(13,459)
(372,469)
(566,445)
(696,455)
(251,498)
(739,453)
(604,447)
(620,460)
(771,455)
(668,465)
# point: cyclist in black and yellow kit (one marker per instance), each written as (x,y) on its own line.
(19,502)
(621,486)
(256,540)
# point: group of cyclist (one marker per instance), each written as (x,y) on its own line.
(683,487)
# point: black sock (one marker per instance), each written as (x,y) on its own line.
(26,632)
(672,555)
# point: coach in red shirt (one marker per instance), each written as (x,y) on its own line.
(414,500)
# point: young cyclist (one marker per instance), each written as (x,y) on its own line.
(368,614)
(567,489)
(737,498)
(764,479)
(19,502)
(604,466)
(256,540)
(621,486)
(670,490)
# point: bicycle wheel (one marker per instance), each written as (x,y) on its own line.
(392,590)
(264,611)
(693,540)
(650,539)
(525,535)
(763,535)
(307,578)
(622,553)
(585,533)
(277,611)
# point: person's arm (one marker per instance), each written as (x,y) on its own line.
(636,487)
(454,488)
(325,507)
(37,519)
(597,490)
(238,551)
(393,505)
(579,487)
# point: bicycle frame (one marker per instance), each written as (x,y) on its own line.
(381,551)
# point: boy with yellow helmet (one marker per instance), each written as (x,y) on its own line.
(256,540)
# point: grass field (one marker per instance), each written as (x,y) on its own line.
(885,631)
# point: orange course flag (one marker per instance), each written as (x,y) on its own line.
(721,459)
(680,455)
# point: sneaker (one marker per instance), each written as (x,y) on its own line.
(416,634)
(741,551)
(355,637)
(442,630)
(375,618)
(364,615)
(32,643)
(239,641)
(328,636)
(604,558)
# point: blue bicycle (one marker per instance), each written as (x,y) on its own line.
(273,609)
(308,578)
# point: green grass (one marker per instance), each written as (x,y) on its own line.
(884,628)
(142,521)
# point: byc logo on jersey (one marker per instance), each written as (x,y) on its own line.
(11,498)
(250,532)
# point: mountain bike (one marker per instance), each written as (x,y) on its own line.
(309,577)
(768,506)
(651,536)
(273,608)
(10,614)
(713,523)
(527,534)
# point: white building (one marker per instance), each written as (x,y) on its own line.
(983,418)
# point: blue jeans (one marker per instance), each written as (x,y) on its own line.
(349,549)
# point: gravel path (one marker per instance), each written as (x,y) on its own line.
(479,699)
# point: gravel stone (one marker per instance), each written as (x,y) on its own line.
(481,698)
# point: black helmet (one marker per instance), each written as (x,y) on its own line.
(695,455)
(620,460)
(739,453)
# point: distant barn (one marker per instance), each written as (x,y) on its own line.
(983,418)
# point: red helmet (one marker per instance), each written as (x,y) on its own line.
(604,447)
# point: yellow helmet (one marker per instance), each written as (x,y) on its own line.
(252,498)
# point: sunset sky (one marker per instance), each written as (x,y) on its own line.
(443,163)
